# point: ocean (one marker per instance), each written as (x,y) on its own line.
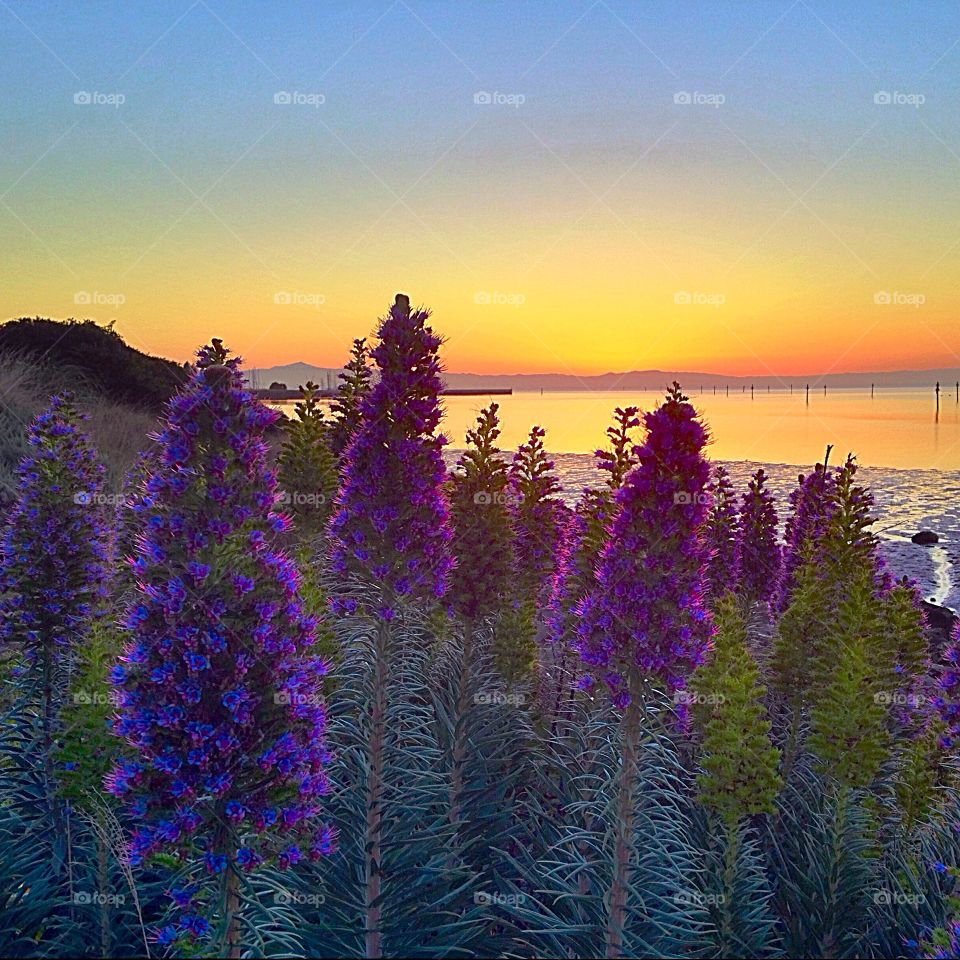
(909,453)
(910,456)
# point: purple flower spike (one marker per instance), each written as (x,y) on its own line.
(644,621)
(720,534)
(55,550)
(812,505)
(218,674)
(757,556)
(390,524)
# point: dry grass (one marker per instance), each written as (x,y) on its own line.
(118,431)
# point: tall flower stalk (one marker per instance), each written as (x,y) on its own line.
(391,531)
(812,504)
(354,386)
(482,539)
(834,618)
(538,516)
(391,524)
(481,581)
(55,566)
(583,538)
(217,690)
(757,552)
(643,625)
(739,777)
(537,511)
(308,467)
(720,534)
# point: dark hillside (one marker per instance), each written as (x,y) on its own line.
(95,354)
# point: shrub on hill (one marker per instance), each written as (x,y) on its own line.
(96,355)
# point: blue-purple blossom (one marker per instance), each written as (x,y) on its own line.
(218,694)
(390,525)
(644,621)
(55,558)
(757,552)
(947,698)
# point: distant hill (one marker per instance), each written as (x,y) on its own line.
(294,374)
(72,350)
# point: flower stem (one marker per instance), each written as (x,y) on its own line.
(616,918)
(374,831)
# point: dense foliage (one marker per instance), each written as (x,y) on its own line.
(640,725)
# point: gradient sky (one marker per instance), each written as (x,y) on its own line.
(586,215)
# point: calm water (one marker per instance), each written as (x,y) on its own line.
(896,428)
(911,461)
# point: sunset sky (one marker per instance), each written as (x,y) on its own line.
(586,219)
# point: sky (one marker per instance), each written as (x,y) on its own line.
(739,187)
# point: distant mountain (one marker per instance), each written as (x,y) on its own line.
(294,374)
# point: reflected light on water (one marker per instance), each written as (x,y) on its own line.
(895,428)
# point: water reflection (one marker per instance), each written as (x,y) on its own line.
(894,428)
